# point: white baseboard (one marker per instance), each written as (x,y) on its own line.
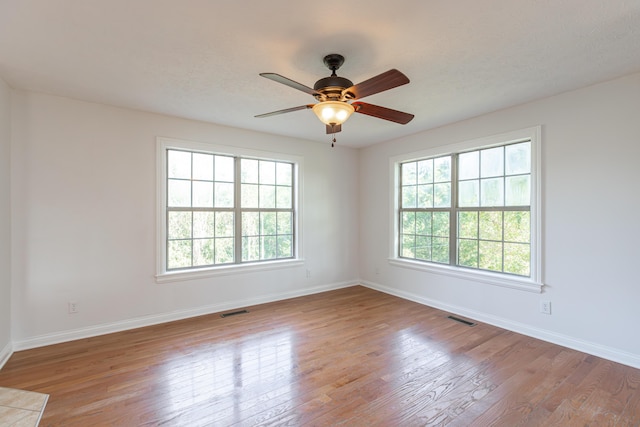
(5,354)
(594,349)
(92,331)
(605,352)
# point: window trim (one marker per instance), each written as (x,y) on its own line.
(531,284)
(162,274)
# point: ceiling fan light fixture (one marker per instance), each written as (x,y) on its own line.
(333,112)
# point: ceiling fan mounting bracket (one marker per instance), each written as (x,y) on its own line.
(333,61)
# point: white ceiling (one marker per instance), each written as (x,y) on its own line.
(200,59)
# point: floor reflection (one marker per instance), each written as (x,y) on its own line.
(232,377)
(416,349)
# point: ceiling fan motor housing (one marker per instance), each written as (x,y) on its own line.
(331,87)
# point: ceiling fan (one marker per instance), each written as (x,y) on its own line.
(334,93)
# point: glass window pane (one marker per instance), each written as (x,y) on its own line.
(251,248)
(442,195)
(425,196)
(408,222)
(423,223)
(490,256)
(423,248)
(225,168)
(267,196)
(284,172)
(517,192)
(224,195)
(285,224)
(517,227)
(178,254)
(178,193)
(203,252)
(268,223)
(442,169)
(518,158)
(224,251)
(249,196)
(425,171)
(490,225)
(469,193)
(179,225)
(409,175)
(224,224)
(441,224)
(409,196)
(468,225)
(203,224)
(202,194)
(203,166)
(178,164)
(440,249)
(283,197)
(492,192)
(250,223)
(469,165)
(492,162)
(407,245)
(267,172)
(269,247)
(517,258)
(285,248)
(249,171)
(468,253)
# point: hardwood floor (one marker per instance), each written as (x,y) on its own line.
(352,357)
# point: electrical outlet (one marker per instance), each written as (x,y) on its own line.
(73,307)
(545,307)
(308,274)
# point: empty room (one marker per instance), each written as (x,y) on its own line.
(363,213)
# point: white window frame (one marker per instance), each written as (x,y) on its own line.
(532,283)
(162,275)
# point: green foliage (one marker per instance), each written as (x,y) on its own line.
(468,253)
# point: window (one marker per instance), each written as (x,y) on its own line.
(474,208)
(223,209)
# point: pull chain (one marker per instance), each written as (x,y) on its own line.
(333,133)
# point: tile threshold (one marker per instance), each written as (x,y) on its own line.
(21,408)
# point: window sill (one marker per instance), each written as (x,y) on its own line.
(522,284)
(177,276)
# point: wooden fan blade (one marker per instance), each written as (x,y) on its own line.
(288,82)
(382,113)
(381,82)
(286,110)
(333,129)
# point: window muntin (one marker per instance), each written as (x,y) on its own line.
(485,224)
(223,209)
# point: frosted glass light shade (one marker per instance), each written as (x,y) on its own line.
(333,112)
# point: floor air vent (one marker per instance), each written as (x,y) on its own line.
(233,313)
(457,319)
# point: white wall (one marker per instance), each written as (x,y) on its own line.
(84,230)
(5,222)
(591,230)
